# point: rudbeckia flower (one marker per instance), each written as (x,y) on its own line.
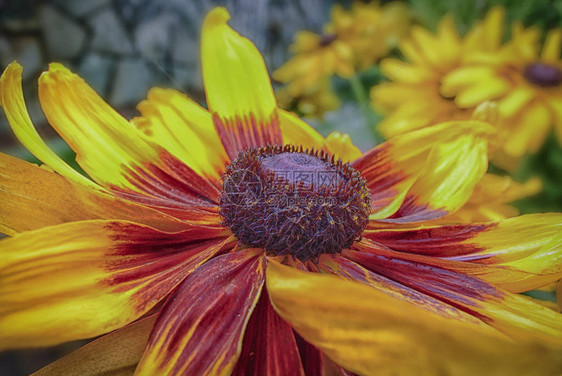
(354,39)
(525,82)
(236,240)
(416,96)
(313,103)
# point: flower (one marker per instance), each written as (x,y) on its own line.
(525,82)
(313,103)
(415,97)
(146,252)
(491,197)
(354,39)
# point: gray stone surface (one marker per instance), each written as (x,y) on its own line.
(131,79)
(64,37)
(97,70)
(110,34)
(81,7)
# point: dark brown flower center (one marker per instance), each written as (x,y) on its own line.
(289,201)
(543,75)
(327,39)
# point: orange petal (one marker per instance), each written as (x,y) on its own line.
(238,89)
(33,197)
(199,330)
(456,283)
(371,333)
(116,352)
(82,279)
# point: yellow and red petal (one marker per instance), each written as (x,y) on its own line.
(112,151)
(116,353)
(238,88)
(369,332)
(427,173)
(517,254)
(348,269)
(82,279)
(199,329)
(33,197)
(269,346)
(184,128)
(456,283)
(12,101)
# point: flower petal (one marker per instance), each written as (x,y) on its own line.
(297,132)
(369,332)
(427,173)
(239,92)
(341,146)
(118,351)
(517,254)
(348,269)
(82,279)
(33,197)
(112,151)
(11,100)
(269,346)
(199,330)
(184,128)
(456,283)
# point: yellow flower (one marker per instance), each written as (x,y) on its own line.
(525,82)
(354,39)
(491,197)
(313,102)
(237,240)
(416,97)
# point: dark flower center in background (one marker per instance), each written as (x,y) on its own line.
(290,201)
(543,75)
(327,39)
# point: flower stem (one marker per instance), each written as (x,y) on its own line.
(362,99)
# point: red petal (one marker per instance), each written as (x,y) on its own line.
(269,346)
(199,330)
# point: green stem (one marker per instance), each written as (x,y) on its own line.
(362,99)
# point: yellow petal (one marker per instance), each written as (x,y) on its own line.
(116,353)
(11,100)
(183,128)
(369,332)
(401,71)
(489,89)
(493,27)
(341,146)
(515,100)
(527,130)
(298,132)
(526,249)
(105,143)
(551,49)
(237,86)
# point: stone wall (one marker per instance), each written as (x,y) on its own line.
(124,47)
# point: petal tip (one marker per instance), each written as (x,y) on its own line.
(217,16)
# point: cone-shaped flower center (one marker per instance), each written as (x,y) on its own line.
(543,75)
(295,202)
